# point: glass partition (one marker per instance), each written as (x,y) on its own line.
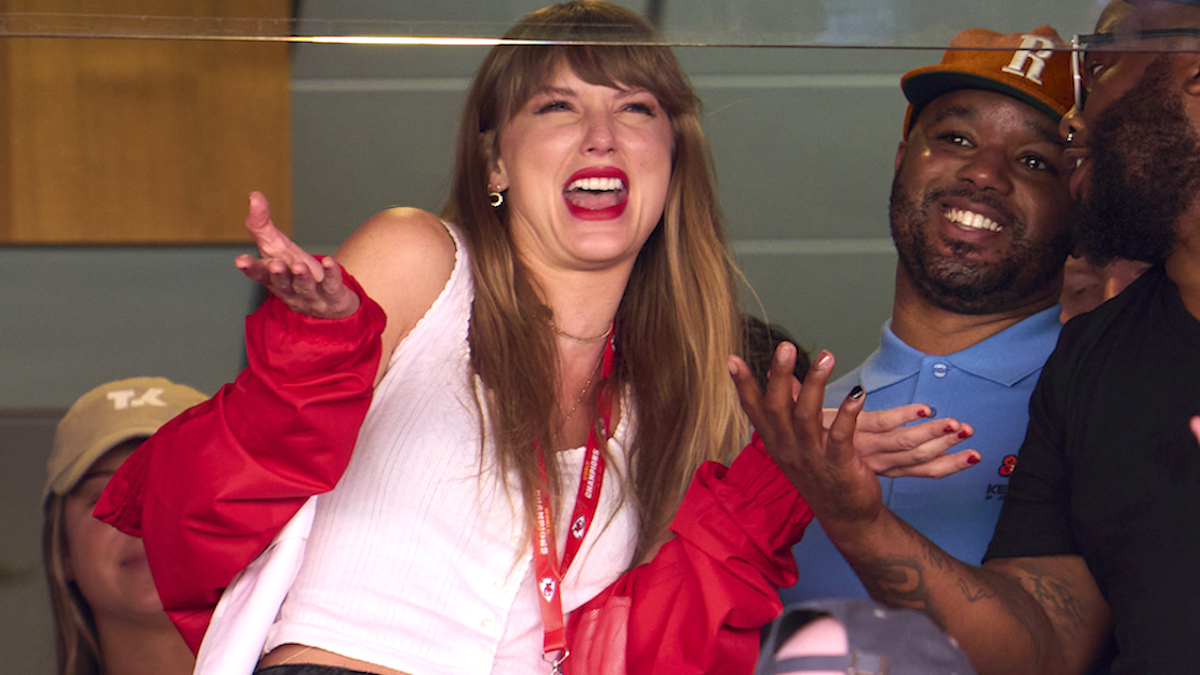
(131,132)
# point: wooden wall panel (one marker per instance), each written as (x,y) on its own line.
(142,141)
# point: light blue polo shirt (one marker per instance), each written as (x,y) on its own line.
(986,385)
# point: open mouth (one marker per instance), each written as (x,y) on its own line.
(972,220)
(597,194)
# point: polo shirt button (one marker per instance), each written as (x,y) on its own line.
(940,370)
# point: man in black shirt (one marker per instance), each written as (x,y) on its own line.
(1095,547)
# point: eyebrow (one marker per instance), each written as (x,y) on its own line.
(1052,137)
(956,112)
(970,113)
(560,91)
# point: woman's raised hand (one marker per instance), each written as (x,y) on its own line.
(308,286)
(891,449)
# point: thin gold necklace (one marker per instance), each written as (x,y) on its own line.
(576,338)
(583,392)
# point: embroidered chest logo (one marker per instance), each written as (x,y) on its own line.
(1009,465)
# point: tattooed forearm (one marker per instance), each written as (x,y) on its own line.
(1055,596)
(899,582)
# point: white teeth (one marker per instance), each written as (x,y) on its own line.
(597,184)
(973,220)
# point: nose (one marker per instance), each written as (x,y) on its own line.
(1071,126)
(598,134)
(987,169)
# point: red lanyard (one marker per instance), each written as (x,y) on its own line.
(549,571)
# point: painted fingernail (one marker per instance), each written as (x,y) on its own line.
(857,392)
(922,413)
(963,434)
(973,459)
(949,429)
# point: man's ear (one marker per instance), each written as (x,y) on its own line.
(900,154)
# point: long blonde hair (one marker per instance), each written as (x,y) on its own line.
(677,322)
(75,638)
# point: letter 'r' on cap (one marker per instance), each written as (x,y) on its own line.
(1033,67)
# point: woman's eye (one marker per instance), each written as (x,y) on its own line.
(643,108)
(553,106)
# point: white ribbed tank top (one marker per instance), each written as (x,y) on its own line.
(413,561)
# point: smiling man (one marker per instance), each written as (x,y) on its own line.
(980,214)
(1096,544)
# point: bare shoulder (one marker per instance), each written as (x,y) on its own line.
(403,258)
(398,234)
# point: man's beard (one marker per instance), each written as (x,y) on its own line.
(954,282)
(1145,173)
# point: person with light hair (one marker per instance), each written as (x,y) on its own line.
(107,615)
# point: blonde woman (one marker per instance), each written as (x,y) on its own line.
(551,374)
(107,615)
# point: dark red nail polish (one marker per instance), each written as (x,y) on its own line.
(973,459)
(963,434)
(948,429)
(922,413)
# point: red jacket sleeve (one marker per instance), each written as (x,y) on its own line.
(210,490)
(700,604)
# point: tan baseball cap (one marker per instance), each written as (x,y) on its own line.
(108,416)
(1033,67)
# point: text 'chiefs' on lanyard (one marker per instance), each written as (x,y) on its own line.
(549,571)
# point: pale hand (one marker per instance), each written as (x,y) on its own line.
(306,285)
(891,449)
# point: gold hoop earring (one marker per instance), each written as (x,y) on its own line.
(497,199)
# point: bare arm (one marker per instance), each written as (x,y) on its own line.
(401,257)
(1036,615)
(1019,615)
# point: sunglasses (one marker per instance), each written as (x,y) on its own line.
(1081,44)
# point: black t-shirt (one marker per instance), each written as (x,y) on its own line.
(1110,470)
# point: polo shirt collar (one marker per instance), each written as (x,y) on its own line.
(1004,358)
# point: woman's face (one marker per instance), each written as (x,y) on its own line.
(107,565)
(586,169)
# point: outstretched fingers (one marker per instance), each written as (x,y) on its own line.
(939,467)
(308,286)
(891,418)
(788,421)
(893,452)
(839,447)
